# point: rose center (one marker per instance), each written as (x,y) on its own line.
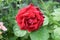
(30,21)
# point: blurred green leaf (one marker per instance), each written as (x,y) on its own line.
(46,20)
(56,34)
(13,38)
(56,14)
(41,34)
(22,5)
(18,32)
(1,36)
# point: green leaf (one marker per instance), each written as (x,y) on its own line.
(22,5)
(41,34)
(13,38)
(56,14)
(46,21)
(35,2)
(1,36)
(56,34)
(18,32)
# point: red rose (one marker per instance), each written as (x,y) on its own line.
(29,18)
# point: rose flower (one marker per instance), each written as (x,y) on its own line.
(30,18)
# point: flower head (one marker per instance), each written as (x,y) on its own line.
(30,18)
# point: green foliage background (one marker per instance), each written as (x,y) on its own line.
(50,29)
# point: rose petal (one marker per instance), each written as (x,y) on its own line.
(3,28)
